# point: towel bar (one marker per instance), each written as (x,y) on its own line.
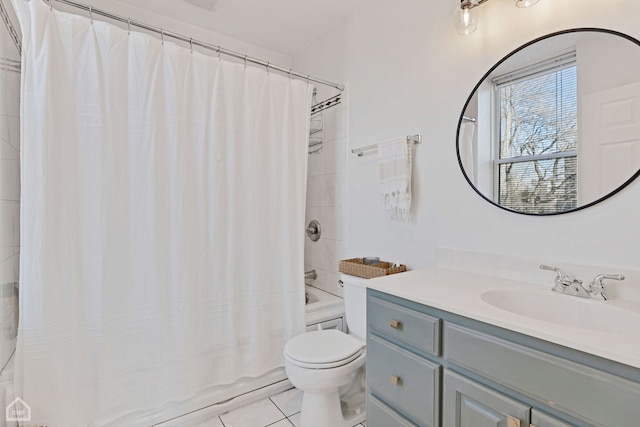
(416,139)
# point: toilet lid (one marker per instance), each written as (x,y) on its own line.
(323,347)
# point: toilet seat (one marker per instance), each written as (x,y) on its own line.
(323,349)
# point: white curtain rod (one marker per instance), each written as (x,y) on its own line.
(192,42)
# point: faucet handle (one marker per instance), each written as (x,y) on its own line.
(597,288)
(562,280)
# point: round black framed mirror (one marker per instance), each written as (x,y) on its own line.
(554,126)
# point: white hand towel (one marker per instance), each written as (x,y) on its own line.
(394,163)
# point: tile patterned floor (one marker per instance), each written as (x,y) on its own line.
(280,410)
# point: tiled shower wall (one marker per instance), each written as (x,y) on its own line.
(9,201)
(326,199)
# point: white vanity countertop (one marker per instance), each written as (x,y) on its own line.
(461,293)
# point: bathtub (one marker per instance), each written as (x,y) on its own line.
(323,309)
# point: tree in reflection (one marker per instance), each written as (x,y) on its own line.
(538,143)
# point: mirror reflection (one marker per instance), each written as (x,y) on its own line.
(555,125)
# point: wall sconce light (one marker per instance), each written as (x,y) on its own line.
(466,18)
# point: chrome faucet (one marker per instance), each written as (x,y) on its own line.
(597,288)
(566,284)
(569,285)
(311,275)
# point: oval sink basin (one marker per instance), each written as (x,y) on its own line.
(564,310)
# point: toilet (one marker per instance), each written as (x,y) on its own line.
(329,366)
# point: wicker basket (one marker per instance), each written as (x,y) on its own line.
(356,267)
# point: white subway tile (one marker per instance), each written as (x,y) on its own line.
(311,213)
(8,151)
(10,130)
(9,269)
(332,217)
(10,180)
(319,282)
(316,161)
(332,252)
(341,125)
(345,236)
(332,157)
(329,129)
(344,205)
(332,286)
(9,102)
(7,251)
(315,191)
(317,254)
(332,189)
(307,251)
(9,223)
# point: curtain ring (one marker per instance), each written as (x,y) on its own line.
(219,54)
(290,70)
(51,5)
(91,14)
(308,75)
(268,65)
(162,36)
(129,26)
(191,44)
(245,62)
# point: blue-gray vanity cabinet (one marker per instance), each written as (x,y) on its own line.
(590,395)
(469,404)
(404,385)
(459,372)
(410,327)
(380,415)
(540,419)
(411,382)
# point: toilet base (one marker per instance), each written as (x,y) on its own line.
(322,409)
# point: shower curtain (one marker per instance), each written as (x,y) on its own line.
(468,154)
(162,217)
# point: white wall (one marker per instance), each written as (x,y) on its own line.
(602,56)
(408,71)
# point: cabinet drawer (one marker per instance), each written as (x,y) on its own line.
(592,396)
(409,326)
(407,381)
(380,415)
(540,419)
(469,404)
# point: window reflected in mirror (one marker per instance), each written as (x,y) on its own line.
(555,125)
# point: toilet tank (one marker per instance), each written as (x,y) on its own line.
(355,305)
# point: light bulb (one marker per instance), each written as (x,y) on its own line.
(526,3)
(465,19)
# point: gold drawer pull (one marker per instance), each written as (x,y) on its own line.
(395,324)
(512,422)
(395,380)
